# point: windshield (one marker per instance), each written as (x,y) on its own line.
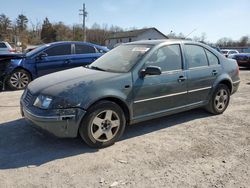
(121,58)
(40,48)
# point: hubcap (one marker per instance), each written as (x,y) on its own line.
(19,80)
(105,126)
(221,99)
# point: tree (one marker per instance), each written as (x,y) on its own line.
(63,32)
(48,33)
(34,34)
(201,38)
(77,33)
(5,23)
(225,42)
(22,22)
(244,41)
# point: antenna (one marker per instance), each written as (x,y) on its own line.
(190,33)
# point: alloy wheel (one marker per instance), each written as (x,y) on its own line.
(105,126)
(19,80)
(221,99)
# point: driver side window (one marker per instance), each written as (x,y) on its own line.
(168,58)
(59,50)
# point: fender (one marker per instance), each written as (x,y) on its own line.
(222,78)
(113,95)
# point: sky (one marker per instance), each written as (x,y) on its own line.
(217,18)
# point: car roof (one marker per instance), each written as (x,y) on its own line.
(76,42)
(167,41)
(154,42)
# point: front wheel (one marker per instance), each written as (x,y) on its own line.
(103,124)
(219,100)
(19,79)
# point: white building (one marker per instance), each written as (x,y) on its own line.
(117,38)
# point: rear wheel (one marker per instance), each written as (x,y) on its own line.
(219,100)
(103,124)
(19,79)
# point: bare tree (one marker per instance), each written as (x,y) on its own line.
(5,24)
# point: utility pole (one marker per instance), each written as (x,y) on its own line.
(84,14)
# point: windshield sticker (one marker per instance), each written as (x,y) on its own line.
(140,49)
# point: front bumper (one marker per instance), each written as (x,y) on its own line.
(63,123)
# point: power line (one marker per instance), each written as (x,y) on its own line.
(84,14)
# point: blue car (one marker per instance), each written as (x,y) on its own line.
(18,70)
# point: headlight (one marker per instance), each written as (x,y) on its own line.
(42,102)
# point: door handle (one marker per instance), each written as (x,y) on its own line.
(182,78)
(67,61)
(214,72)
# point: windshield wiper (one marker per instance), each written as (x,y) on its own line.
(96,68)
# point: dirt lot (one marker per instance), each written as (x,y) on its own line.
(191,149)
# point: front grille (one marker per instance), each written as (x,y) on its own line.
(28,97)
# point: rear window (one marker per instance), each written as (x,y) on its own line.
(195,56)
(84,49)
(212,59)
(2,45)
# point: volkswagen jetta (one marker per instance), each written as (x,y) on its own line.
(132,83)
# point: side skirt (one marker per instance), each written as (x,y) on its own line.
(168,112)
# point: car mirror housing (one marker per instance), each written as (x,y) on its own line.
(150,70)
(42,55)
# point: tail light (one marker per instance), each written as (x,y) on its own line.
(12,50)
(238,70)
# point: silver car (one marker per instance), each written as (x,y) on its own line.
(5,48)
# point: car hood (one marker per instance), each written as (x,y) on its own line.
(69,81)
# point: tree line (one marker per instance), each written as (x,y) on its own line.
(24,30)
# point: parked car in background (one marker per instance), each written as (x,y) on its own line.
(132,83)
(243,59)
(229,52)
(17,70)
(30,48)
(5,48)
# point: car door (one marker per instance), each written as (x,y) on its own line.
(161,93)
(201,74)
(84,55)
(55,58)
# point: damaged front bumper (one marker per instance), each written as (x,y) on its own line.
(62,123)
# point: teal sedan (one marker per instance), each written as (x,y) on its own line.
(132,83)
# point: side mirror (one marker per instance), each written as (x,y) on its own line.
(42,56)
(150,70)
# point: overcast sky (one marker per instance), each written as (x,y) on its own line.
(217,18)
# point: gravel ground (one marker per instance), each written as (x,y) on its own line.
(191,149)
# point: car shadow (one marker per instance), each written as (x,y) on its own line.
(22,145)
(163,123)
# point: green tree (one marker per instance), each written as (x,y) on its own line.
(48,33)
(63,32)
(22,22)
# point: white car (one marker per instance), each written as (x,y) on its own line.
(229,52)
(5,48)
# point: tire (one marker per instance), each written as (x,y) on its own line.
(219,100)
(103,124)
(18,79)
